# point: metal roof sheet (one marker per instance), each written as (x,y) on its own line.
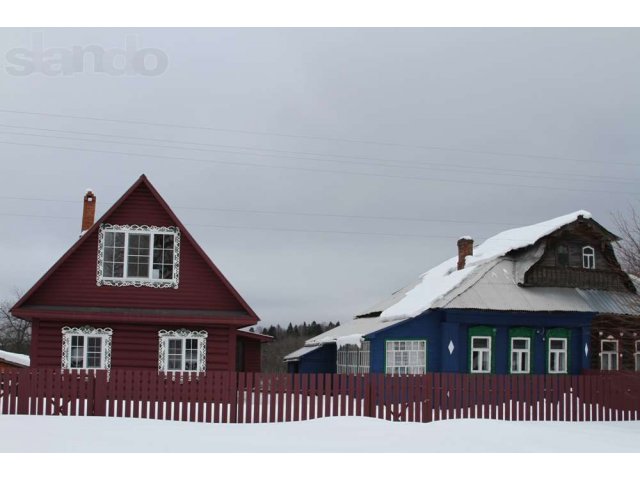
(295,355)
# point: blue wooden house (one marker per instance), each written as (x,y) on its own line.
(547,298)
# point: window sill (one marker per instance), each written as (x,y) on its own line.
(129,282)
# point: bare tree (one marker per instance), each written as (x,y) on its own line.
(628,250)
(15,333)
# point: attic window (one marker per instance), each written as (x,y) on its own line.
(138,256)
(588,258)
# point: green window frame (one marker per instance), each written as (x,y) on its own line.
(521,333)
(554,356)
(482,332)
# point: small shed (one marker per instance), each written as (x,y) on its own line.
(11,361)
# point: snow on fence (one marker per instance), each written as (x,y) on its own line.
(230,397)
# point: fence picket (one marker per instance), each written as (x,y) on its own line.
(248,397)
(257,386)
(304,396)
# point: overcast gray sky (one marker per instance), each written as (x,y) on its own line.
(463,131)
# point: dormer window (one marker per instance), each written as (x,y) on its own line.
(562,255)
(138,256)
(588,258)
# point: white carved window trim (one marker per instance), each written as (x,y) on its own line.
(637,355)
(588,257)
(183,334)
(609,358)
(138,282)
(86,332)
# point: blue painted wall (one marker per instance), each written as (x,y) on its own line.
(442,328)
(322,360)
(423,327)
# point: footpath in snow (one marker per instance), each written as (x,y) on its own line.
(344,434)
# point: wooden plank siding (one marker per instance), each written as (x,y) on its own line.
(134,346)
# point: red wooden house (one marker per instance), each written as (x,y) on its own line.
(137,291)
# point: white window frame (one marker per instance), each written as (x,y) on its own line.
(588,258)
(149,281)
(414,365)
(637,355)
(163,349)
(609,355)
(552,367)
(482,351)
(521,352)
(354,359)
(86,332)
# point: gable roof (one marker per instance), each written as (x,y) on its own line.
(142,181)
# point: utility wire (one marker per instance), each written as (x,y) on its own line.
(311,137)
(316,170)
(276,229)
(274,212)
(369,161)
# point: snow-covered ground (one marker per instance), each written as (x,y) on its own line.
(345,434)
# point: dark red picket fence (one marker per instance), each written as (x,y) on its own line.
(229,397)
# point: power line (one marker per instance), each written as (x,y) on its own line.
(376,161)
(303,214)
(311,137)
(316,170)
(276,229)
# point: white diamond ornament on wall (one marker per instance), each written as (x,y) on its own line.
(451,347)
(586,350)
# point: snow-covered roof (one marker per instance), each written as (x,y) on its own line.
(296,354)
(434,284)
(15,358)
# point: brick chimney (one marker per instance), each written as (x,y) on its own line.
(465,247)
(88,210)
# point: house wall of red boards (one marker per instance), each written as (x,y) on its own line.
(203,301)
(132,345)
(74,282)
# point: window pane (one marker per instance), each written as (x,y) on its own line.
(557,344)
(163,256)
(485,362)
(77,351)
(94,352)
(520,344)
(475,361)
(109,239)
(138,255)
(609,346)
(107,270)
(480,342)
